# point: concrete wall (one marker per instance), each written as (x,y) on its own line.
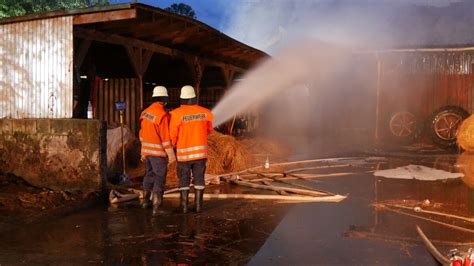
(60,154)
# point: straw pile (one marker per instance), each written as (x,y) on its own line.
(227,154)
(465,135)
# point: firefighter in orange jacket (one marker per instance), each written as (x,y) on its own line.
(156,148)
(190,125)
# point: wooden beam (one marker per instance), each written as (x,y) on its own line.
(125,41)
(149,28)
(160,30)
(140,59)
(197,69)
(185,35)
(81,52)
(228,75)
(104,16)
(135,59)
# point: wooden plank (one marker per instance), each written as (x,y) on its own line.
(106,100)
(105,16)
(208,196)
(122,99)
(128,118)
(140,93)
(61,13)
(100,101)
(114,99)
(280,188)
(110,100)
(133,107)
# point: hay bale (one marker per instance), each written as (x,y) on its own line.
(226,154)
(465,135)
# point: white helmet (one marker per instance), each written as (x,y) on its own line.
(160,91)
(187,92)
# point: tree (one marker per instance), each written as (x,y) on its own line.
(182,9)
(10,8)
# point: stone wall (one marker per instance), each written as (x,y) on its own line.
(60,154)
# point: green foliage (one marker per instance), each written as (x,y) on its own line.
(182,9)
(10,8)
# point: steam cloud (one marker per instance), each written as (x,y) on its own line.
(312,73)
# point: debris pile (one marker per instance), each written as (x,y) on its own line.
(465,135)
(19,201)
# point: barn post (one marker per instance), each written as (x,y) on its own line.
(140,59)
(228,76)
(197,69)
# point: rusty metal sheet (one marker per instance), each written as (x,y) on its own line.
(36,74)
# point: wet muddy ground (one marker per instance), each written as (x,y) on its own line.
(360,230)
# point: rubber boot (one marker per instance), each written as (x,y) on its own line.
(157,199)
(184,201)
(146,199)
(198,195)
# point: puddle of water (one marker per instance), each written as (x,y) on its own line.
(129,235)
(260,232)
(355,232)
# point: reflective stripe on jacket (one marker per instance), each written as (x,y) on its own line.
(154,131)
(189,127)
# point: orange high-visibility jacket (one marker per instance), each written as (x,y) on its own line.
(154,131)
(189,127)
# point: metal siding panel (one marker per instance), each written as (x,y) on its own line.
(2,88)
(36,76)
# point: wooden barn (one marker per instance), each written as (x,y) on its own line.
(423,94)
(54,63)
(402,97)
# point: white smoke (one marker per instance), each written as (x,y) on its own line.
(312,42)
(270,25)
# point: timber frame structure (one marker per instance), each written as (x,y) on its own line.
(154,44)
